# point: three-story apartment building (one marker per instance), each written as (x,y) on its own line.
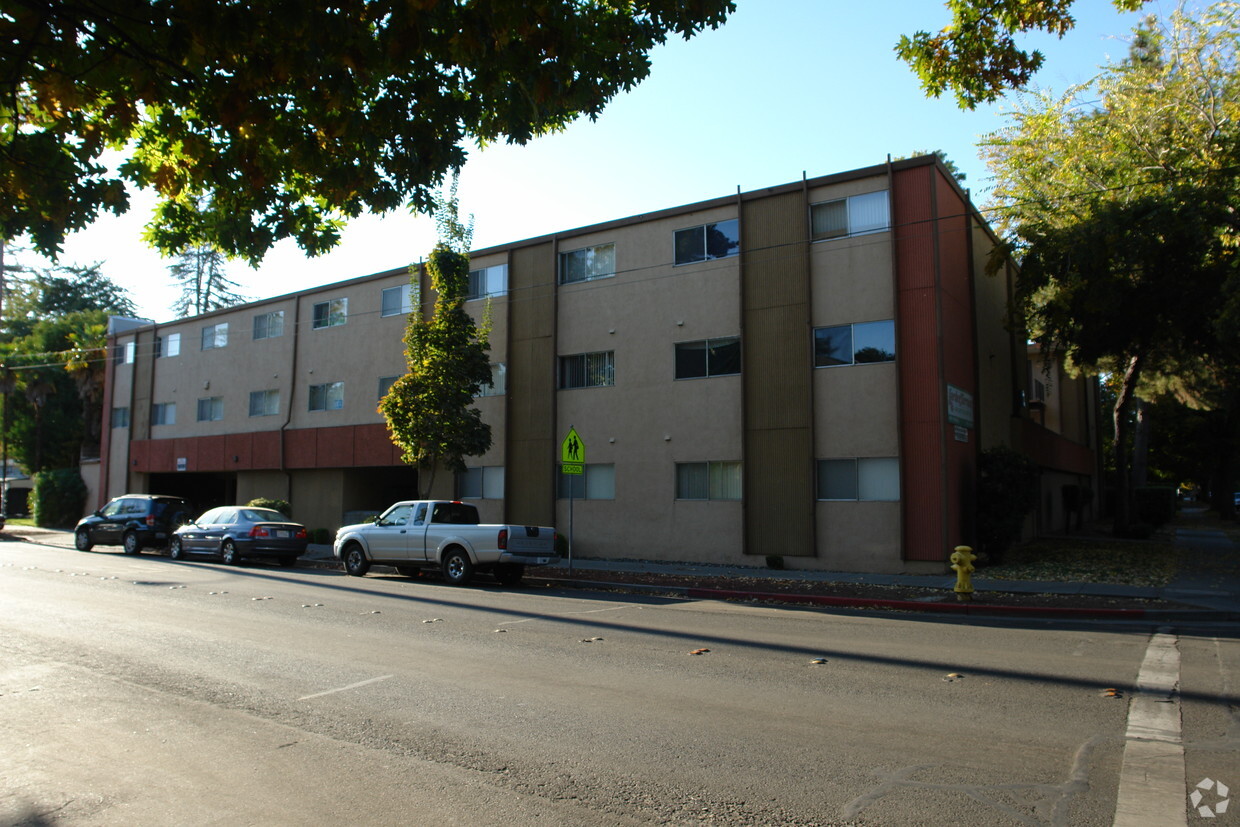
(806,371)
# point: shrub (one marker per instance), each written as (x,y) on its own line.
(58,499)
(1007,490)
(1154,504)
(275,505)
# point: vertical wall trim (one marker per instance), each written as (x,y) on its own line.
(807,339)
(740,314)
(899,364)
(292,392)
(939,333)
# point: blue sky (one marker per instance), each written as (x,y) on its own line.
(785,87)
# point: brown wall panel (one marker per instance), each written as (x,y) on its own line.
(335,447)
(777,374)
(530,447)
(300,449)
(240,446)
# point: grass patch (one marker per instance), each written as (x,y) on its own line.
(1089,561)
(19,521)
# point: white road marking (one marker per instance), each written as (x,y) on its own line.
(1151,781)
(346,688)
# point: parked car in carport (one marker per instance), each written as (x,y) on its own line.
(236,532)
(133,521)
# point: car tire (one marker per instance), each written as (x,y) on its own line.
(81,539)
(131,543)
(175,550)
(228,554)
(509,574)
(458,569)
(355,562)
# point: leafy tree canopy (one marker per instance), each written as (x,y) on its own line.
(31,296)
(261,120)
(976,56)
(204,284)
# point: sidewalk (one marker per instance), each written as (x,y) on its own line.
(1209,584)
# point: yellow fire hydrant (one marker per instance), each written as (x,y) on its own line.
(962,563)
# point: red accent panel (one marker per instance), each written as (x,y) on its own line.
(240,446)
(301,448)
(335,447)
(211,454)
(1050,450)
(372,445)
(266,448)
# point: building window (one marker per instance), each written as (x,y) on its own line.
(120,417)
(488,281)
(385,385)
(215,335)
(164,413)
(870,478)
(211,409)
(327,397)
(269,325)
(709,241)
(855,344)
(396,301)
(331,313)
(708,357)
(498,385)
(598,482)
(169,345)
(708,480)
(481,483)
(129,352)
(856,215)
(264,403)
(588,370)
(598,262)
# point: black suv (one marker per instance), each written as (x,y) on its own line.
(135,521)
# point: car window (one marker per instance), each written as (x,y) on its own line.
(135,506)
(206,516)
(420,517)
(226,516)
(396,515)
(113,508)
(454,514)
(259,515)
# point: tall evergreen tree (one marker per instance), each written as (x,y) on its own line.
(204,284)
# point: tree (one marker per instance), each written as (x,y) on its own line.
(258,120)
(204,285)
(1118,201)
(52,359)
(262,120)
(429,410)
(976,56)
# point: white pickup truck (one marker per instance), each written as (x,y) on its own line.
(419,534)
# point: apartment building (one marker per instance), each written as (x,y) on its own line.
(807,371)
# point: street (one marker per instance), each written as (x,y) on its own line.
(143,691)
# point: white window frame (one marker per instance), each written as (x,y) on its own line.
(484,482)
(328,396)
(704,229)
(485,282)
(874,479)
(164,413)
(595,262)
(268,322)
(855,208)
(335,313)
(723,481)
(215,336)
(213,406)
(265,402)
(597,482)
(587,370)
(401,306)
(120,417)
(129,352)
(498,385)
(852,339)
(385,385)
(709,345)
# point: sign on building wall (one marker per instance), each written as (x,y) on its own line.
(959,407)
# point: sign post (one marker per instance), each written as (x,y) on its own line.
(572,462)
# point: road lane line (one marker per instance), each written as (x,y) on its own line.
(346,688)
(1151,781)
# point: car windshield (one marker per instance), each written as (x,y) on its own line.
(262,515)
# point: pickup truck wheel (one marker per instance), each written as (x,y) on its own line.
(509,574)
(457,567)
(130,543)
(81,539)
(355,562)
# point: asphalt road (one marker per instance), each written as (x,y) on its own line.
(143,691)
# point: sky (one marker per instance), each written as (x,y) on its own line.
(785,88)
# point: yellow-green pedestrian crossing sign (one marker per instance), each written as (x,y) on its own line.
(572,453)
